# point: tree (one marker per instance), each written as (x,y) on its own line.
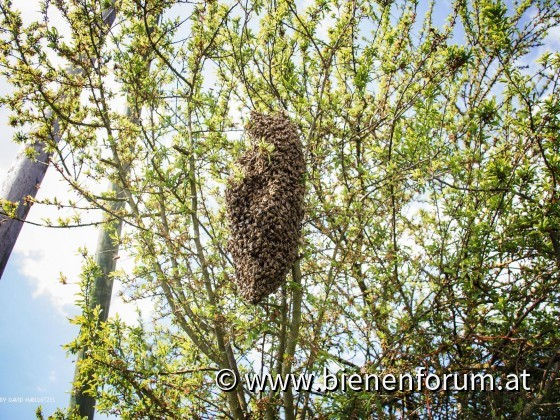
(106,257)
(27,172)
(431,222)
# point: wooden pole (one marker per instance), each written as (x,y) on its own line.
(106,258)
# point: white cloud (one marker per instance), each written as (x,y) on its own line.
(552,40)
(43,253)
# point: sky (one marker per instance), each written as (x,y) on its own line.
(33,316)
(34,368)
(34,306)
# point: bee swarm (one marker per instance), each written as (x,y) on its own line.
(265,207)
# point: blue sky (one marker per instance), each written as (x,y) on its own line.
(33,325)
(34,305)
(33,363)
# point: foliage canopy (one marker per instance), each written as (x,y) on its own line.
(431,235)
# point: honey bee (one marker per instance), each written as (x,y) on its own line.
(264,207)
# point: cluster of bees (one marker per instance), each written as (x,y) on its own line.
(265,206)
